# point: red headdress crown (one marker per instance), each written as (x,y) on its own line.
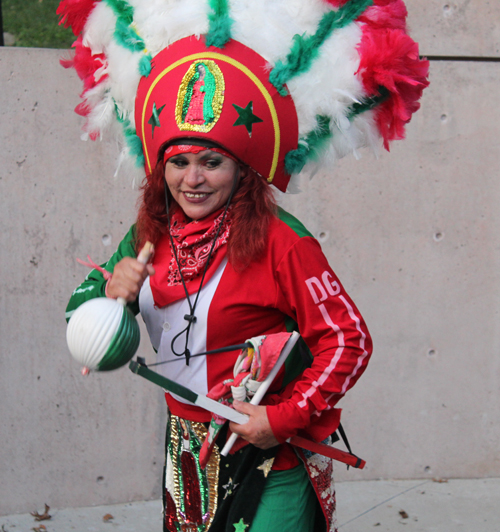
(224,96)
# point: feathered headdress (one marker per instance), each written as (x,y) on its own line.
(285,85)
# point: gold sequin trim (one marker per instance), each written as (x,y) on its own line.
(199,431)
(175,436)
(212,472)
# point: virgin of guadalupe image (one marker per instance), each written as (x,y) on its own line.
(198,102)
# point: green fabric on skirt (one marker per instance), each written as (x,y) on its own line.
(288,503)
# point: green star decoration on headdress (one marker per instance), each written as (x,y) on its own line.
(240,526)
(246,118)
(155,118)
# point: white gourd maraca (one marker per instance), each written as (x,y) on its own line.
(103,334)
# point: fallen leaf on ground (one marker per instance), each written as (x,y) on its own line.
(107,518)
(41,528)
(42,517)
(403,514)
(440,480)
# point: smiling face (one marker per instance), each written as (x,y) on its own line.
(201,183)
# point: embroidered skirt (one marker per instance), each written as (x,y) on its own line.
(225,496)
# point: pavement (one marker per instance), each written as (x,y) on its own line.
(455,505)
(419,506)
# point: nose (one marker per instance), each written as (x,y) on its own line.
(194,175)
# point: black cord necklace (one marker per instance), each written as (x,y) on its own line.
(191,318)
(235,347)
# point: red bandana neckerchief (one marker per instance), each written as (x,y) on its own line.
(193,241)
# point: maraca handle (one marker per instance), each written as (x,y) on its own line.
(145,253)
(143,258)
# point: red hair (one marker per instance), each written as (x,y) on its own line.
(254,207)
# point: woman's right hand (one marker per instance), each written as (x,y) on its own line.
(128,277)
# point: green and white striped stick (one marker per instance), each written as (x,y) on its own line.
(195,398)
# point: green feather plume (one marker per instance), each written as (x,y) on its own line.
(305,48)
(309,147)
(122,9)
(369,103)
(127,37)
(145,65)
(135,145)
(219,31)
(131,138)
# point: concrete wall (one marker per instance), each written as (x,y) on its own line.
(467,28)
(66,440)
(413,236)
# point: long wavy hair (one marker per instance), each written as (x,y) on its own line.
(254,206)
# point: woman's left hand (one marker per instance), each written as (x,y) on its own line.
(257,430)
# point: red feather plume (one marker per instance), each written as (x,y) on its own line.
(383,13)
(87,67)
(86,64)
(74,13)
(336,3)
(389,57)
(386,14)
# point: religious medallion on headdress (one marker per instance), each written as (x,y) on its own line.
(201,97)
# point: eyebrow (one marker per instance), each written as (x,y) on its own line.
(211,154)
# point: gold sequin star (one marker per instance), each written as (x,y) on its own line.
(230,487)
(266,466)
